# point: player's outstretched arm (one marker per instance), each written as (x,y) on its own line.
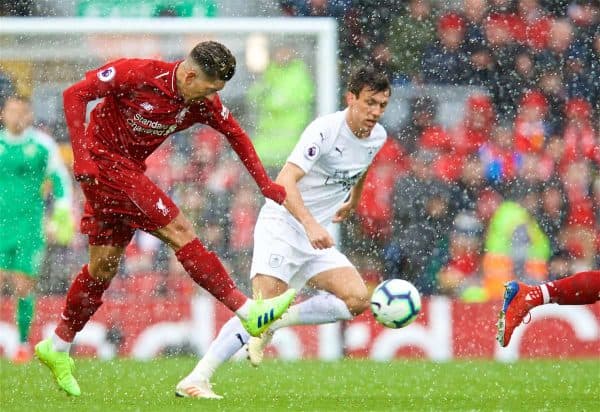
(289,176)
(242,145)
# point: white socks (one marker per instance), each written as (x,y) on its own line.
(322,308)
(230,339)
(60,345)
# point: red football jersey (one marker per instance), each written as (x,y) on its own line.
(142,107)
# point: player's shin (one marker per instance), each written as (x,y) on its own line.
(24,316)
(83,300)
(205,268)
(231,338)
(322,308)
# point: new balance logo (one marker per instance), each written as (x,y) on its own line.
(266,318)
(224,112)
(162,207)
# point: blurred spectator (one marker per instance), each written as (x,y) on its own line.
(581,141)
(551,62)
(460,275)
(366,24)
(475,12)
(594,64)
(504,22)
(499,159)
(552,213)
(422,218)
(410,34)
(484,72)
(579,234)
(375,210)
(577,79)
(481,58)
(422,114)
(560,265)
(531,173)
(515,246)
(446,61)
(383,60)
(467,192)
(518,76)
(283,98)
(476,126)
(535,23)
(531,127)
(585,16)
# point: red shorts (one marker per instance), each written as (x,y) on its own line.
(124,200)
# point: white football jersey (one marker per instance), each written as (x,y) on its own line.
(333,159)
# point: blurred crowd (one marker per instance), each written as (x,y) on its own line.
(510,190)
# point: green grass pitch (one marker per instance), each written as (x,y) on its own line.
(349,385)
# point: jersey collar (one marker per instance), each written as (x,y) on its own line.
(15,139)
(172,82)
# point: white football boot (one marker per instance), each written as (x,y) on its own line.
(201,389)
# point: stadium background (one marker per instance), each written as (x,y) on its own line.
(510,112)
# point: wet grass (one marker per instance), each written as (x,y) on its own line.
(350,385)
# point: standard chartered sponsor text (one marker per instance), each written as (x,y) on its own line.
(152,127)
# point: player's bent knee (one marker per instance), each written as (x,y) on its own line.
(266,287)
(178,233)
(104,270)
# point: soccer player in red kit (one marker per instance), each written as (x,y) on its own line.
(582,288)
(144,101)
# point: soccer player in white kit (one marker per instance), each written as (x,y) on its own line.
(323,178)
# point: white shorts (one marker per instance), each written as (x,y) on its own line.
(284,252)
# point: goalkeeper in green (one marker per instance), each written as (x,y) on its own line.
(28,159)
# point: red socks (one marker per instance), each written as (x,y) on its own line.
(579,289)
(85,294)
(207,271)
(83,299)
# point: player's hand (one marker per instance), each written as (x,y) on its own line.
(274,192)
(85,170)
(62,224)
(318,236)
(343,212)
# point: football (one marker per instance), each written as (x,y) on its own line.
(395,303)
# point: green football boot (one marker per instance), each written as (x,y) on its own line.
(61,365)
(264,312)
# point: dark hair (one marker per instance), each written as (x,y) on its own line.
(368,77)
(215,60)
